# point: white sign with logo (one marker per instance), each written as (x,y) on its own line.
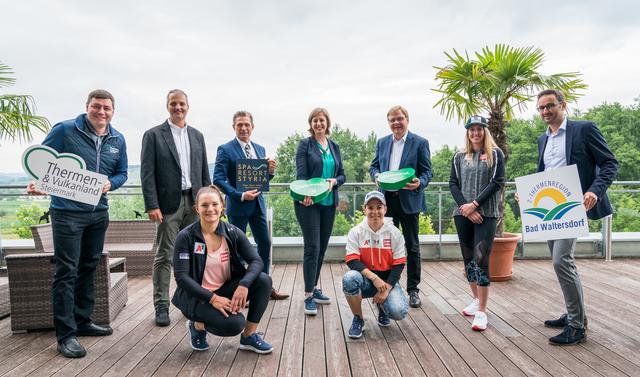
(62,174)
(551,205)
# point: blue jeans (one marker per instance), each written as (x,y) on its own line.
(396,305)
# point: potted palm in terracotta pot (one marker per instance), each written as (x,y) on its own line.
(498,81)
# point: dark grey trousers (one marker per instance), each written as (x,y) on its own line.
(171,224)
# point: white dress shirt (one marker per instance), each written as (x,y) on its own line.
(555,153)
(396,152)
(181,139)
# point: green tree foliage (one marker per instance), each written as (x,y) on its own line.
(27,215)
(441,164)
(620,126)
(285,223)
(286,158)
(17,112)
(356,154)
(512,222)
(523,141)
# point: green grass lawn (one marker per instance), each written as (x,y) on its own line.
(8,208)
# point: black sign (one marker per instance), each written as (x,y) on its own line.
(252,174)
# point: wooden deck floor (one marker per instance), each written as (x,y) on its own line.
(433,341)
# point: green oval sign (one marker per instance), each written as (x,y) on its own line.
(316,188)
(396,179)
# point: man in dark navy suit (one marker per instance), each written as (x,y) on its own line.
(245,207)
(569,142)
(403,149)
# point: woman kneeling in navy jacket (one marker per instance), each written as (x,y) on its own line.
(213,284)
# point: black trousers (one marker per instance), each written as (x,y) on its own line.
(234,324)
(78,240)
(260,230)
(476,241)
(316,222)
(409,223)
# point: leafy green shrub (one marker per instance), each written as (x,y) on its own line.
(425,224)
(341,225)
(27,215)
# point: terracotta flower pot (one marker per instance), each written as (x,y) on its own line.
(501,259)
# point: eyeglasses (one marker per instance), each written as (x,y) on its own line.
(396,119)
(98,107)
(548,106)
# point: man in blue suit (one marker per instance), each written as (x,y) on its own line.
(245,207)
(403,149)
(568,142)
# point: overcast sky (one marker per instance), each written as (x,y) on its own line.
(280,59)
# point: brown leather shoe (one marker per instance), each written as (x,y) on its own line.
(275,295)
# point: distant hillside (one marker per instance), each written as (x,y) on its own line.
(23,179)
(13,179)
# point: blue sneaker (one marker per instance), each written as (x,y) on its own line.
(357,327)
(319,297)
(383,318)
(310,307)
(255,343)
(198,339)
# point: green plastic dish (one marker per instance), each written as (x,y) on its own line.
(316,188)
(396,179)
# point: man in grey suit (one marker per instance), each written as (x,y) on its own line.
(173,168)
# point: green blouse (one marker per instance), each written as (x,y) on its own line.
(328,167)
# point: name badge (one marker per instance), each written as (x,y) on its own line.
(184,255)
(199,248)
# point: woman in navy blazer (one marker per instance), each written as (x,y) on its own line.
(317,157)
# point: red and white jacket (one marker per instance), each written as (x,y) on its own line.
(377,251)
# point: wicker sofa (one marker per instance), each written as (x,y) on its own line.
(134,240)
(30,280)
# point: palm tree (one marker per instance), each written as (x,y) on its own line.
(17,112)
(496,83)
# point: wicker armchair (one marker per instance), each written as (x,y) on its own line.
(4,297)
(30,280)
(134,240)
(42,238)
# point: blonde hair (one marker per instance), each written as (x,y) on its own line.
(398,108)
(488,146)
(319,111)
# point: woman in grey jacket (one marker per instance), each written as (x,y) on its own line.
(477,174)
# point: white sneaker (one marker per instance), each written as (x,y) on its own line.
(472,308)
(479,321)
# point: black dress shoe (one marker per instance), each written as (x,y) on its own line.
(569,336)
(162,316)
(414,299)
(94,330)
(71,348)
(561,322)
(557,323)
